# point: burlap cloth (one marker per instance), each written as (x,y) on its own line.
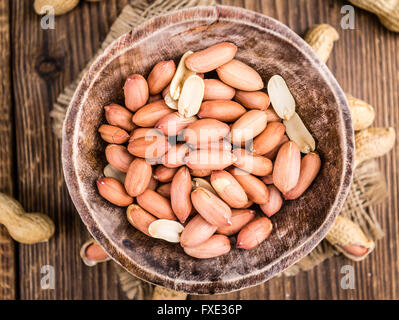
(368,187)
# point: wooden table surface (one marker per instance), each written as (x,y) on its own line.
(35,66)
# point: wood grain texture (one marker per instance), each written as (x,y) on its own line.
(364,61)
(7,250)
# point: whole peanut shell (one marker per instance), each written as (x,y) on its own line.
(60,6)
(387,11)
(28,228)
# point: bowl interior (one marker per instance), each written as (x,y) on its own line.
(270,48)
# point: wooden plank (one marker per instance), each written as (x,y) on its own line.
(7,250)
(365,63)
(42,67)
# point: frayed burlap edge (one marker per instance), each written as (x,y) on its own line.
(132,15)
(368,188)
(134,288)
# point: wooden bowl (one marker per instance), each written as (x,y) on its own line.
(271,48)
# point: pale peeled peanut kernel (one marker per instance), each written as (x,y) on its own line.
(253,99)
(255,189)
(210,207)
(164,190)
(119,116)
(211,58)
(180,192)
(170,102)
(222,110)
(136,92)
(256,165)
(310,167)
(167,230)
(281,98)
(215,246)
(156,204)
(92,253)
(160,76)
(118,157)
(173,123)
(239,218)
(27,228)
(269,139)
(113,191)
(111,172)
(203,159)
(240,76)
(217,90)
(228,188)
(112,134)
(297,132)
(151,113)
(191,96)
(197,231)
(174,158)
(248,126)
(349,239)
(287,167)
(321,38)
(275,202)
(149,147)
(139,218)
(254,233)
(138,177)
(181,74)
(362,113)
(202,183)
(56,7)
(164,174)
(372,143)
(205,131)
